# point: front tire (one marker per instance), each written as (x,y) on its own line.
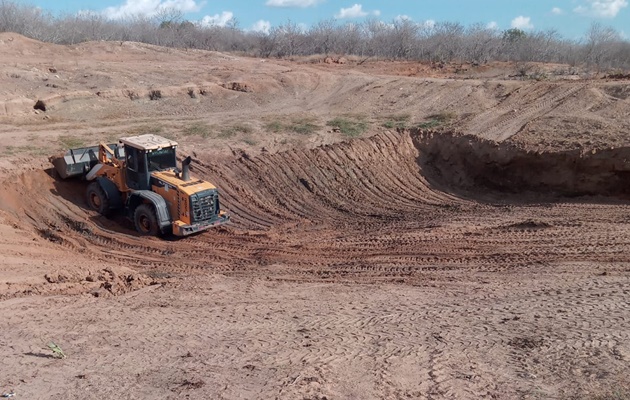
(145,220)
(96,199)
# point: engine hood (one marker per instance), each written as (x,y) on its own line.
(194,185)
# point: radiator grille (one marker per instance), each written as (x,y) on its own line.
(202,206)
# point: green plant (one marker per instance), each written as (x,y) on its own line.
(397,121)
(230,131)
(435,120)
(57,352)
(274,126)
(303,126)
(348,127)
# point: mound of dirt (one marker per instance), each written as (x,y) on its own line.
(109,281)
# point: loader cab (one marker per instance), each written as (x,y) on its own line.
(145,154)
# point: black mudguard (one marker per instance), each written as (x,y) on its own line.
(162,212)
(112,193)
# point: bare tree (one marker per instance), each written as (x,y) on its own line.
(404,38)
(602,47)
(600,43)
(289,39)
(323,37)
(351,40)
(481,44)
(445,42)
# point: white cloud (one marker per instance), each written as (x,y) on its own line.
(403,18)
(557,11)
(356,11)
(293,3)
(261,26)
(151,7)
(492,25)
(524,23)
(217,19)
(602,8)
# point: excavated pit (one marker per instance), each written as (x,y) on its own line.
(467,164)
(397,207)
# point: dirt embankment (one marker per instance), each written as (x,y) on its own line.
(464,162)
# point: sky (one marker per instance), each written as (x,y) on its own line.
(571,18)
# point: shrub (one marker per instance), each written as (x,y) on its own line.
(348,127)
(198,129)
(155,94)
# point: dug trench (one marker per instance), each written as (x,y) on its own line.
(408,207)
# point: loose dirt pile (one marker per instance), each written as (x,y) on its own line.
(410,264)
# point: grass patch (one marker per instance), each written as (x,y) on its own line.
(204,130)
(250,141)
(230,131)
(70,142)
(25,150)
(348,127)
(302,126)
(112,137)
(274,126)
(435,120)
(145,129)
(397,121)
(169,135)
(198,129)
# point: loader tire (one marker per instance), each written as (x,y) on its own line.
(96,198)
(145,220)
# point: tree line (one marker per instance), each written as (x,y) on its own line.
(402,39)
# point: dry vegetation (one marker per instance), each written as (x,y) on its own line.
(402,39)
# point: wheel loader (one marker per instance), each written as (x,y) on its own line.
(139,176)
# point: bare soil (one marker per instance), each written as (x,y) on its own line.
(470,241)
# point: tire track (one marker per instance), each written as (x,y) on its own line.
(513,119)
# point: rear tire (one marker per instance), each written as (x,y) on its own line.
(96,199)
(145,220)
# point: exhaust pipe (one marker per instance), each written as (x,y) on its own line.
(186,169)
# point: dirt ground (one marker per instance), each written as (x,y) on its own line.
(469,238)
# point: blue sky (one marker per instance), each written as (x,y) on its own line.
(569,17)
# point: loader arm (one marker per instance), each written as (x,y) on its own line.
(103,151)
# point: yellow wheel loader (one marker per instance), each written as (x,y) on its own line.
(139,176)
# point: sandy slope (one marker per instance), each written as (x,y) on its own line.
(399,265)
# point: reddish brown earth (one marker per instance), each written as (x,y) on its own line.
(487,259)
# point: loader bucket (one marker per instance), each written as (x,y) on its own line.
(77,162)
